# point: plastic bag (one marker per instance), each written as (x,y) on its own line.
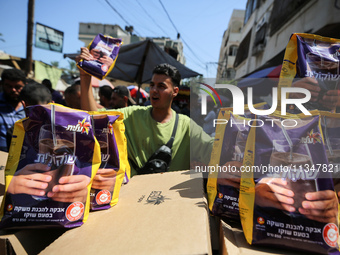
(317,57)
(283,162)
(53,147)
(104,50)
(109,131)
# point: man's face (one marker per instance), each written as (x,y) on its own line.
(117,101)
(162,91)
(12,89)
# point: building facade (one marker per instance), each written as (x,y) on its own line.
(268,25)
(230,43)
(87,31)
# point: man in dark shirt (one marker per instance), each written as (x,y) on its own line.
(11,107)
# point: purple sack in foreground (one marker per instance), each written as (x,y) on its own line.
(108,180)
(51,150)
(285,173)
(104,50)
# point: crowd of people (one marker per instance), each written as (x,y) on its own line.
(147,128)
(13,99)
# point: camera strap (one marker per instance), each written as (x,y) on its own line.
(172,138)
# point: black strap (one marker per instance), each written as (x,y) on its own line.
(170,142)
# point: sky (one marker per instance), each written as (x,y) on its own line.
(200,23)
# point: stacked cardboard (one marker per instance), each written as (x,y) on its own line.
(156,214)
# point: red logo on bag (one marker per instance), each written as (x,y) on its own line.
(220,195)
(9,207)
(260,220)
(103,197)
(74,211)
(330,234)
(105,68)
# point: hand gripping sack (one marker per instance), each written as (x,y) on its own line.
(53,152)
(314,56)
(104,50)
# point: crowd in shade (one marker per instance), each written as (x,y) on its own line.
(18,92)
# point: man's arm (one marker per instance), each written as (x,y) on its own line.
(200,143)
(87,101)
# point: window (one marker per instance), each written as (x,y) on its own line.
(261,35)
(243,50)
(251,6)
(233,50)
(283,11)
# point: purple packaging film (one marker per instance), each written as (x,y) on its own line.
(317,57)
(101,196)
(233,144)
(276,227)
(63,139)
(104,50)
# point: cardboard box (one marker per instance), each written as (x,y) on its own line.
(233,242)
(156,214)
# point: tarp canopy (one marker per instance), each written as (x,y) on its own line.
(136,62)
(256,77)
(262,81)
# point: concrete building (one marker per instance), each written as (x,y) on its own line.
(268,25)
(230,43)
(173,47)
(87,31)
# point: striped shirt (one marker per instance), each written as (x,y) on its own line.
(8,116)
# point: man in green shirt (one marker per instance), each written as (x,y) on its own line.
(147,128)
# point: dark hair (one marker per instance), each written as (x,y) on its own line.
(73,89)
(123,91)
(47,83)
(170,71)
(13,75)
(105,91)
(35,93)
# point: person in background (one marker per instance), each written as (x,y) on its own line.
(35,93)
(186,109)
(149,127)
(32,94)
(11,107)
(104,94)
(121,98)
(72,96)
(56,96)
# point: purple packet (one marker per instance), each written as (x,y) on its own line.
(109,131)
(230,145)
(53,146)
(284,162)
(316,57)
(104,50)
